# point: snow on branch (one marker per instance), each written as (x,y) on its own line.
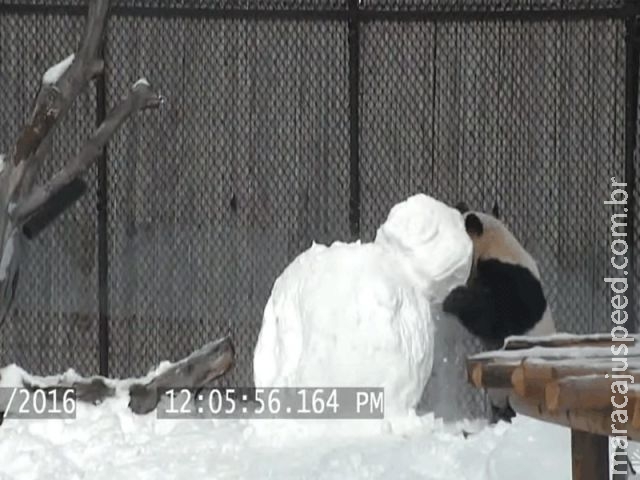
(142,81)
(54,73)
(61,85)
(140,97)
(26,209)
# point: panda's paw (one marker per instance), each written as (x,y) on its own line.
(504,413)
(456,301)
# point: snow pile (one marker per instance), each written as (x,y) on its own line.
(360,314)
(108,441)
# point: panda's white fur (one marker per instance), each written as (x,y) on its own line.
(497,242)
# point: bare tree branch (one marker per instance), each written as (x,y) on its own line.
(26,209)
(54,99)
(140,97)
(61,85)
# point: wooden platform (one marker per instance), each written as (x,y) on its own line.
(589,383)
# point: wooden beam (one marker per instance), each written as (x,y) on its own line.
(599,340)
(492,375)
(589,456)
(591,421)
(529,380)
(586,392)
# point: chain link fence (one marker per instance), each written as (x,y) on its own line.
(285,122)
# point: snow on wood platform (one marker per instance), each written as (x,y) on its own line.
(585,382)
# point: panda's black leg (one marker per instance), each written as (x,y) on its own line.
(499,406)
(504,413)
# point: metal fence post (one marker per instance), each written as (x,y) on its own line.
(102,205)
(632,52)
(354,119)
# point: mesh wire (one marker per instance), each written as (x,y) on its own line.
(211,198)
(248,163)
(526,115)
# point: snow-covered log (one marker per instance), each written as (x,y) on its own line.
(196,371)
(26,209)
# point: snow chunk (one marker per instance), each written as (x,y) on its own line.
(11,376)
(54,73)
(142,81)
(356,315)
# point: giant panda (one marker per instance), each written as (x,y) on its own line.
(503,295)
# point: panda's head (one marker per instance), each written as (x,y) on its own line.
(493,240)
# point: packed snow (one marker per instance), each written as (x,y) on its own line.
(108,441)
(359,314)
(53,74)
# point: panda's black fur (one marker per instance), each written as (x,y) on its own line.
(504,300)
(504,294)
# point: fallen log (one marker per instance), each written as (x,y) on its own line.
(193,372)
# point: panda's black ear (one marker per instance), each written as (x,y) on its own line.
(473,225)
(495,211)
(462,207)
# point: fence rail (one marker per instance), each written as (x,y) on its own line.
(353,11)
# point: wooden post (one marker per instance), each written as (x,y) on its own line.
(589,456)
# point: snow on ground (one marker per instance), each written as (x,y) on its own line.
(109,442)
